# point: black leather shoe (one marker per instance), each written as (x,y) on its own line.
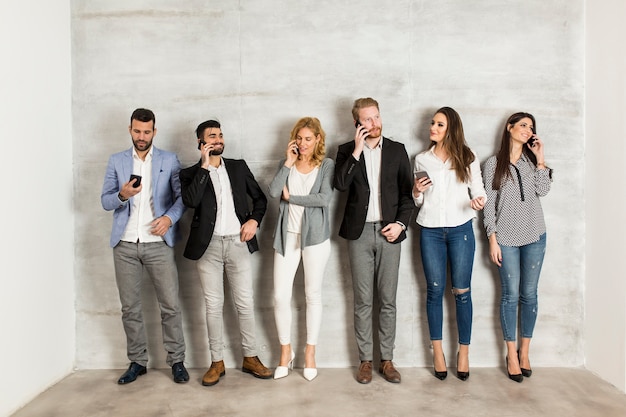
(180,373)
(134,370)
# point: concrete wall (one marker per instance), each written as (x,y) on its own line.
(36,173)
(259,66)
(605,291)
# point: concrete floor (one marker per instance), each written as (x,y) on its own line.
(488,392)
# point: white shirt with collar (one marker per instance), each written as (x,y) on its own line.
(447,202)
(226,221)
(372,158)
(141,205)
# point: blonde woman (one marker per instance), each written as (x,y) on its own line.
(304,184)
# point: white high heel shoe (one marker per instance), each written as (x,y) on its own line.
(283,371)
(309,373)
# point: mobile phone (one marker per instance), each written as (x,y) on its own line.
(357,124)
(531,141)
(137,179)
(421,174)
(202,142)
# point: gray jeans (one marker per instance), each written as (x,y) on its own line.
(227,254)
(158,259)
(374,263)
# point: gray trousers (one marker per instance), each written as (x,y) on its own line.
(374,263)
(158,259)
(227,254)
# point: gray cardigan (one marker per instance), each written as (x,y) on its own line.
(316,218)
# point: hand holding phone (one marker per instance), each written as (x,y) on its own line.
(136,179)
(421,182)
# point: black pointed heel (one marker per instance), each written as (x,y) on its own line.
(526,372)
(513,377)
(463,376)
(440,375)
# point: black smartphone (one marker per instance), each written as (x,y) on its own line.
(531,141)
(357,124)
(137,179)
(202,142)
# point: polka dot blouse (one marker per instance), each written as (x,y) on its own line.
(514,212)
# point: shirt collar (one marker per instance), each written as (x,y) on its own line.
(148,155)
(378,146)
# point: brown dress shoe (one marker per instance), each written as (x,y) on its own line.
(214,373)
(252,365)
(364,376)
(389,372)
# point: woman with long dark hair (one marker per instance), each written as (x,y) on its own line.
(515,178)
(448,189)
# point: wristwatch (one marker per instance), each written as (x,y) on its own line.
(122,199)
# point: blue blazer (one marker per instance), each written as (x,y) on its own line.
(165,191)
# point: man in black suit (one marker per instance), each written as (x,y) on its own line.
(376,172)
(221,239)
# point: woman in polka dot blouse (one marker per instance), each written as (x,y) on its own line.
(514,179)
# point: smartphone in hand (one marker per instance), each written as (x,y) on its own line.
(137,179)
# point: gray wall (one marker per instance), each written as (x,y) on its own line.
(260,65)
(36,179)
(605,290)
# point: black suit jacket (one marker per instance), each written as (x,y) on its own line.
(396,182)
(198,193)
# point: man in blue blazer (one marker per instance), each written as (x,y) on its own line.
(376,173)
(221,239)
(146,208)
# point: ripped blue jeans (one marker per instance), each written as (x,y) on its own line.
(440,247)
(519,276)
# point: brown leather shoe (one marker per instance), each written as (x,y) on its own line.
(364,376)
(214,373)
(252,365)
(389,372)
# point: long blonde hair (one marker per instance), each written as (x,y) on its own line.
(314,124)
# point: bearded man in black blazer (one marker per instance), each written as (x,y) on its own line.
(221,239)
(376,172)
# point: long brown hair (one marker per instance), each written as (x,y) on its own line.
(503,156)
(455,146)
(315,125)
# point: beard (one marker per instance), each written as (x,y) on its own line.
(142,145)
(218,151)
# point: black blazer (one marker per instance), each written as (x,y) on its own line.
(396,183)
(198,193)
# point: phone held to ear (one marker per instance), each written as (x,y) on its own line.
(531,141)
(201,143)
(357,124)
(137,179)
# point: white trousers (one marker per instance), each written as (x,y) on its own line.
(314,260)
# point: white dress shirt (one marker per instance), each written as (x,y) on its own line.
(447,202)
(372,165)
(141,205)
(226,221)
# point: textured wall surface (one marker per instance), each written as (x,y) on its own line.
(260,65)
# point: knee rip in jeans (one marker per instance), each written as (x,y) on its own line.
(459,293)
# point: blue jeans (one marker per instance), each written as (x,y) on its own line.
(440,247)
(519,275)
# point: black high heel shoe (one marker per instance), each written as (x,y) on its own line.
(526,372)
(514,377)
(463,376)
(441,375)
